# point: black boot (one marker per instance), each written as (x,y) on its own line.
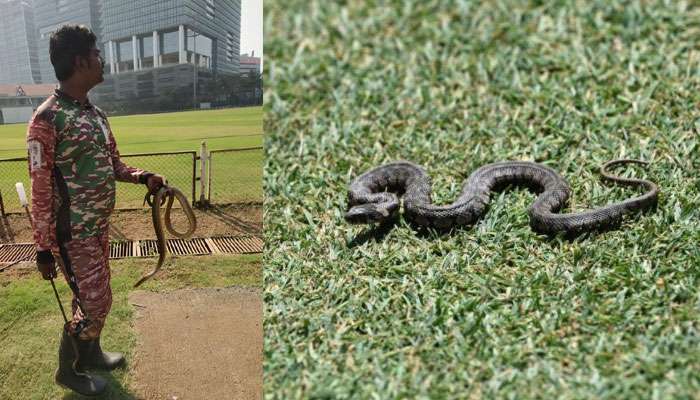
(66,374)
(92,356)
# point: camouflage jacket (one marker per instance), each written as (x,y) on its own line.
(73,164)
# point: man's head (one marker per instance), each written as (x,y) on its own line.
(74,55)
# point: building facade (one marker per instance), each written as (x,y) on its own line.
(18,102)
(163,54)
(154,49)
(19,62)
(138,35)
(50,14)
(250,65)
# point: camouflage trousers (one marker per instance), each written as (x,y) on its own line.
(88,261)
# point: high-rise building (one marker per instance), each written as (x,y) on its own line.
(146,34)
(152,49)
(18,48)
(51,14)
(164,53)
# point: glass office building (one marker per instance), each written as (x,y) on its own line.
(19,61)
(138,34)
(50,14)
(151,48)
(156,50)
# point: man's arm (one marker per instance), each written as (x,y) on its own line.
(41,140)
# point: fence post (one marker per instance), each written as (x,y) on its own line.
(203,156)
(194,178)
(2,206)
(209,181)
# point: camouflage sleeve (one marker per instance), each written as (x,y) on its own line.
(41,140)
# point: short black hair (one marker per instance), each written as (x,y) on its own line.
(66,43)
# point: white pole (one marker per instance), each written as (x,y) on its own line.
(209,180)
(22,195)
(156,50)
(110,44)
(203,156)
(181,44)
(23,201)
(135,52)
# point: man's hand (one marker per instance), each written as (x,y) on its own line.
(46,264)
(155,182)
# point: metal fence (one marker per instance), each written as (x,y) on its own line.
(235,175)
(179,168)
(231,176)
(13,170)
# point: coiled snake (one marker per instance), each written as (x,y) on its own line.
(374,197)
(169,194)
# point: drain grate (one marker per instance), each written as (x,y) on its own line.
(121,249)
(17,252)
(178,247)
(238,244)
(148,248)
(192,247)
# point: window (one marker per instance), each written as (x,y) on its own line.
(125,56)
(198,48)
(146,51)
(170,47)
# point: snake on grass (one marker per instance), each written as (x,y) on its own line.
(156,200)
(374,197)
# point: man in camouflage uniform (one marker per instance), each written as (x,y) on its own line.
(73,164)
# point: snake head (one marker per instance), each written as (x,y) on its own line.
(369,213)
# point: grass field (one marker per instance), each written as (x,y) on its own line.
(239,177)
(30,321)
(150,133)
(495,311)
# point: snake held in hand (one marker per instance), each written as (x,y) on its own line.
(169,194)
(374,197)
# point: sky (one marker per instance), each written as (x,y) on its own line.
(252,27)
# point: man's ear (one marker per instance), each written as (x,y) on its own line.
(78,62)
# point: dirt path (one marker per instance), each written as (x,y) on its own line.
(198,344)
(136,224)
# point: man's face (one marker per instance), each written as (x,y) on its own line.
(91,68)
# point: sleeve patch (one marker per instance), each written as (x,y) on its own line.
(35,151)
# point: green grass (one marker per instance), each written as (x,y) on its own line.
(494,311)
(236,178)
(179,131)
(30,322)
